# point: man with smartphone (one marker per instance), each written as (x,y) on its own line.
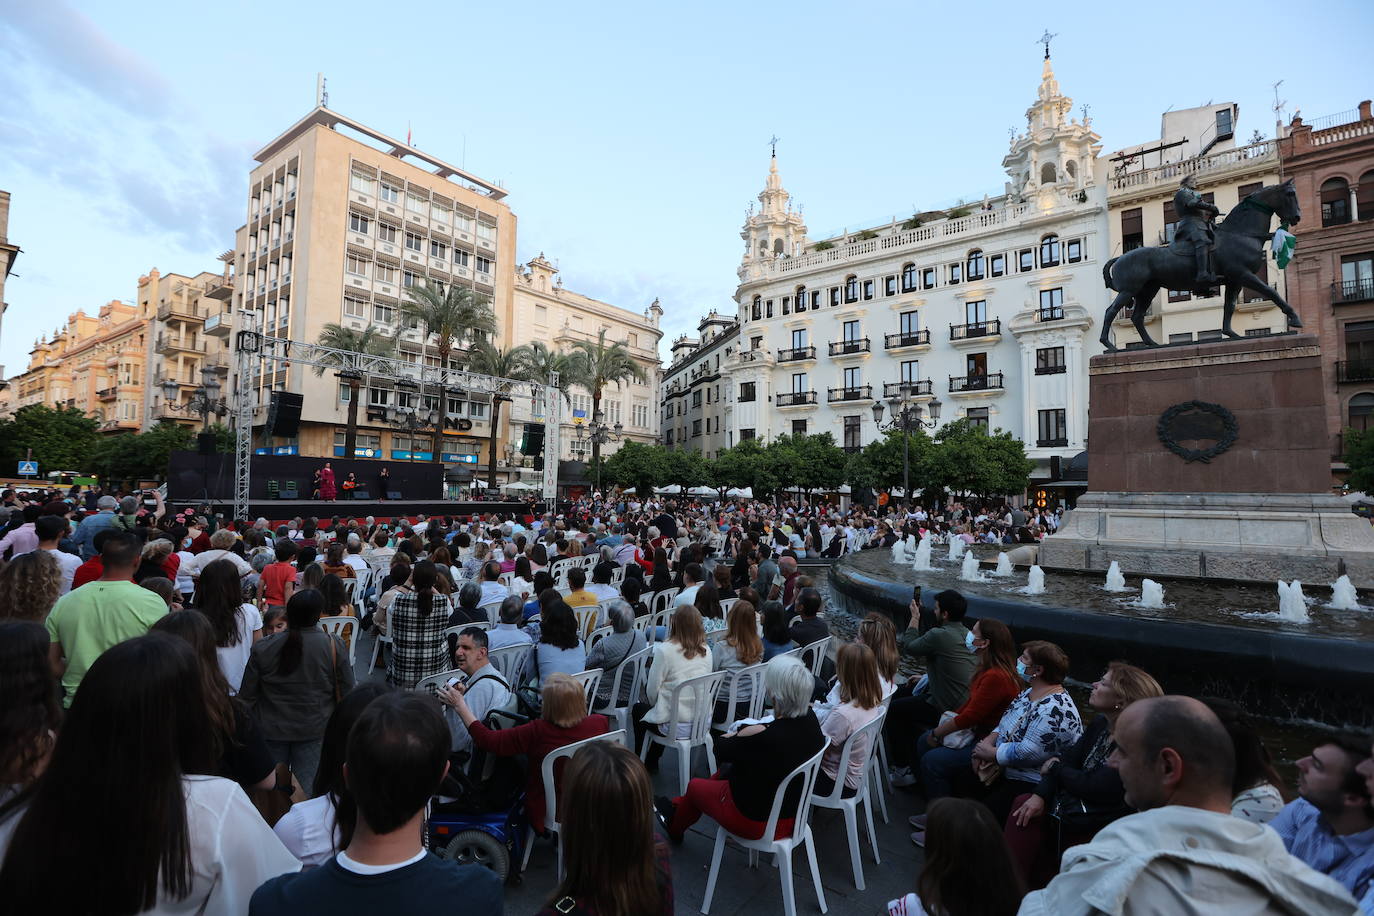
(482,686)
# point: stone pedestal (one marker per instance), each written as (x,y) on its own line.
(1212,460)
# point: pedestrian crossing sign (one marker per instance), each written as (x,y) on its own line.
(28,469)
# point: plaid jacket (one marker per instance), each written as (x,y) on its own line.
(417,646)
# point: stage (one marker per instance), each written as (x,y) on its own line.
(280,511)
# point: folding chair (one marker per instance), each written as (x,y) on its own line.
(859,747)
(703,690)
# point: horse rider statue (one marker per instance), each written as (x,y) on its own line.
(1195,229)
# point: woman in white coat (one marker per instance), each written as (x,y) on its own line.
(683,656)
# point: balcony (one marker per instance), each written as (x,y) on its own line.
(1355,370)
(168,344)
(906,339)
(1049,314)
(179,311)
(916,388)
(971,384)
(1352,290)
(796,398)
(848,347)
(218,324)
(1060,369)
(852,393)
(107,394)
(796,354)
(961,332)
(220,288)
(1051,443)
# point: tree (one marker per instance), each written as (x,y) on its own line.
(968,460)
(599,364)
(685,468)
(501,363)
(879,465)
(637,466)
(1359,455)
(146,455)
(543,362)
(451,314)
(820,462)
(368,341)
(62,439)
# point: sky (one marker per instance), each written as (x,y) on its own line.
(632,137)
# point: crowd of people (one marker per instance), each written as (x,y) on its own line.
(165,681)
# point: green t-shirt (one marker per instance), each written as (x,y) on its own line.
(96,616)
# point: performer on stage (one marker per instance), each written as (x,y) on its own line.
(349,485)
(328,491)
(383,482)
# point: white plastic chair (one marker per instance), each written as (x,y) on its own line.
(590,680)
(595,636)
(346,628)
(382,639)
(877,764)
(510,661)
(551,824)
(805,776)
(618,577)
(506,579)
(587,619)
(653,621)
(813,655)
(703,690)
(725,605)
(663,600)
(633,669)
(492,609)
(753,676)
(858,746)
(435,681)
(349,585)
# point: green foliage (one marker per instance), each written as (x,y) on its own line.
(145,456)
(337,337)
(685,468)
(451,313)
(1359,455)
(823,246)
(913,223)
(808,462)
(864,235)
(636,466)
(61,439)
(879,465)
(958,212)
(967,460)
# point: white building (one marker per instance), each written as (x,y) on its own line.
(989,308)
(697,389)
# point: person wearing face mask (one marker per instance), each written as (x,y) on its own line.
(1078,794)
(1042,722)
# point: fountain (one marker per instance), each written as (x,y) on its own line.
(898,553)
(956,548)
(1003,565)
(969,571)
(1151,594)
(1292,604)
(922,561)
(1035,582)
(1116,582)
(1343,597)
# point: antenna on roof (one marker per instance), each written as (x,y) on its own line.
(321,91)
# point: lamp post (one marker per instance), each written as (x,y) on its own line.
(412,420)
(204,402)
(599,433)
(905,415)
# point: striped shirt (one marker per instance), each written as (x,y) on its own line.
(1349,859)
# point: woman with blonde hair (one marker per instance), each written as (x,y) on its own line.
(683,656)
(615,862)
(30,585)
(740,648)
(861,701)
(563,720)
(878,632)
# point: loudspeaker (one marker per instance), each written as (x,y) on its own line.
(284,414)
(393,494)
(361,494)
(205,443)
(539,463)
(287,491)
(533,441)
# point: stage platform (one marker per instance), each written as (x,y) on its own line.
(278,511)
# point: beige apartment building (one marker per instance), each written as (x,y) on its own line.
(696,392)
(189,334)
(94,363)
(1141,183)
(341,220)
(545,311)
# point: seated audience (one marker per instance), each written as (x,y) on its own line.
(507,631)
(560,649)
(776,638)
(579,596)
(237,623)
(1258,787)
(949,668)
(861,701)
(611,652)
(683,656)
(808,627)
(967,868)
(482,686)
(741,648)
(416,622)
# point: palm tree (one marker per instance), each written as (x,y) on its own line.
(452,314)
(502,363)
(368,342)
(600,364)
(543,362)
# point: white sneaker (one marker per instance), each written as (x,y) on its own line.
(902,776)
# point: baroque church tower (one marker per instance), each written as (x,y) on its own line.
(1056,156)
(776,230)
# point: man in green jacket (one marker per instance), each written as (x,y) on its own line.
(949,665)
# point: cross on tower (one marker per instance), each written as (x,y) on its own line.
(1084,108)
(773,142)
(1045,40)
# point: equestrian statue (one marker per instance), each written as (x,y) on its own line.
(1200,256)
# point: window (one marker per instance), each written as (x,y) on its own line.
(976,312)
(409,278)
(928,278)
(384,273)
(816,294)
(834,295)
(612,411)
(359,223)
(851,289)
(975,265)
(852,377)
(801,298)
(390,193)
(696,428)
(362,183)
(768,308)
(1179,295)
(1335,198)
(383,314)
(851,330)
(416,205)
(1049,251)
(977,417)
(956,272)
(414,242)
(379,397)
(441,213)
(1051,304)
(1183,337)
(799,428)
(798,338)
(483,265)
(853,433)
(1225,124)
(798,382)
(1132,229)
(1361,412)
(868,289)
(755,343)
(745,434)
(787,305)
(908,278)
(1171,218)
(355,265)
(486,231)
(746,391)
(696,398)
(386,232)
(668,438)
(354,308)
(1050,361)
(438,249)
(1053,429)
(477,411)
(461,257)
(976,366)
(1359,341)
(1357,275)
(890,286)
(758,308)
(910,323)
(997,265)
(1210,335)
(1073,250)
(911,370)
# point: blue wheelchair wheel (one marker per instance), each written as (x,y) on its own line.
(476,847)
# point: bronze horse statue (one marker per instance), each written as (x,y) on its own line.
(1140,273)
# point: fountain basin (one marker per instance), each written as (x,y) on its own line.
(1319,672)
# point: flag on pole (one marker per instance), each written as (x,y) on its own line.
(1283,246)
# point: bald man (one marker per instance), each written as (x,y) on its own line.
(1183,854)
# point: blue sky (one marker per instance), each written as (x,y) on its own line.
(631,136)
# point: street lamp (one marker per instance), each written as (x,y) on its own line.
(905,415)
(204,402)
(599,433)
(412,420)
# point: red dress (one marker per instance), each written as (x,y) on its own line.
(327,489)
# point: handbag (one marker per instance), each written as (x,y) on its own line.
(955,739)
(987,771)
(334,669)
